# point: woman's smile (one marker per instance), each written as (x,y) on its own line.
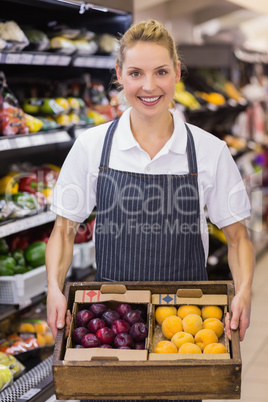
(148,77)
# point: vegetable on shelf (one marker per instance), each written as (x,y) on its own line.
(35,254)
(7,265)
(4,249)
(8,184)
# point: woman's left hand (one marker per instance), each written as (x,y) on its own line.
(240,315)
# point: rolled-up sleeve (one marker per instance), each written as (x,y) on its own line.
(227,198)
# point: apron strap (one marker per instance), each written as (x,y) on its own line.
(105,156)
(191,154)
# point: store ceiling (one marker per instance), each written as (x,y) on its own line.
(250,16)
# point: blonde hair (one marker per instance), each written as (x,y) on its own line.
(147,31)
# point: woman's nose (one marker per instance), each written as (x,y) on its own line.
(148,84)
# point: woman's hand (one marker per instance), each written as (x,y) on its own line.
(241,259)
(240,315)
(57,316)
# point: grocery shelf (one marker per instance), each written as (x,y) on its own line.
(34,58)
(28,222)
(35,385)
(33,140)
(54,59)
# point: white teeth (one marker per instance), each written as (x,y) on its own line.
(150,99)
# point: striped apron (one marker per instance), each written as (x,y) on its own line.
(148,226)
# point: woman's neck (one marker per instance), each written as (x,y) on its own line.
(152,134)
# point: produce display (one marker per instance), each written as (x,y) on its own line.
(21,261)
(26,190)
(189,329)
(99,326)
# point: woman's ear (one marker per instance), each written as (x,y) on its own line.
(119,75)
(178,72)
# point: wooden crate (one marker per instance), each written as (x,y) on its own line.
(161,379)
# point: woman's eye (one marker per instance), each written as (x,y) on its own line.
(135,74)
(162,72)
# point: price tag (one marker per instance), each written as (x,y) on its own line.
(38,139)
(52,59)
(4,145)
(25,58)
(12,58)
(39,59)
(80,62)
(23,142)
(64,60)
(62,136)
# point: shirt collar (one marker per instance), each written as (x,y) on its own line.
(177,142)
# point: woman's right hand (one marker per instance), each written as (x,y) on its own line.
(57,316)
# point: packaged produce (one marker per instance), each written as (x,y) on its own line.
(35,254)
(185,98)
(33,123)
(38,40)
(12,119)
(16,367)
(6,377)
(9,184)
(15,344)
(45,106)
(86,47)
(108,44)
(18,205)
(13,34)
(48,124)
(40,328)
(62,45)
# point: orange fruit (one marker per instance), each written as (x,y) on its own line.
(215,324)
(171,325)
(212,312)
(192,323)
(182,337)
(204,337)
(163,312)
(190,348)
(165,347)
(186,309)
(215,348)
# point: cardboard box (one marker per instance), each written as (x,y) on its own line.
(187,297)
(105,378)
(112,296)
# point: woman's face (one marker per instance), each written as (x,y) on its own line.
(148,77)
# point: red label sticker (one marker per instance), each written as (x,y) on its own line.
(93,295)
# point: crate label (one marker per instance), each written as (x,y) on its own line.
(165,299)
(206,299)
(95,295)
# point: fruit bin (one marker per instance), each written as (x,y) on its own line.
(112,378)
(20,288)
(112,296)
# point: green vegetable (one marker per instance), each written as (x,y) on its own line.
(19,269)
(7,262)
(6,271)
(35,254)
(3,246)
(18,256)
(25,200)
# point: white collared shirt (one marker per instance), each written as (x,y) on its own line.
(221,188)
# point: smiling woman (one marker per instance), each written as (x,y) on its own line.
(150,177)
